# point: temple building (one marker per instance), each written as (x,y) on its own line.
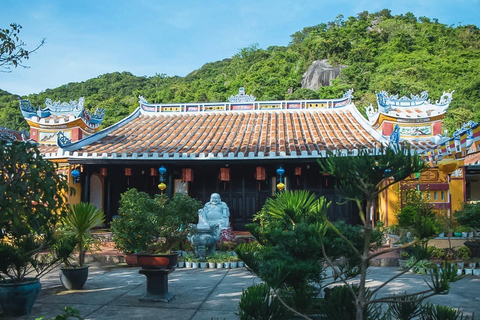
(71,119)
(417,120)
(242,149)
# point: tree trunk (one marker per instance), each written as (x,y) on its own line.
(361,300)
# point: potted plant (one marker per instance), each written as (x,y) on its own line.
(32,202)
(404,256)
(79,222)
(181,262)
(203,263)
(226,261)
(233,261)
(476,270)
(469,216)
(167,224)
(463,254)
(211,262)
(219,262)
(195,262)
(188,260)
(134,229)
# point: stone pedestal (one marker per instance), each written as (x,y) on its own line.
(157,285)
(202,239)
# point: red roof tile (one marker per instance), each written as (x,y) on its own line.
(280,133)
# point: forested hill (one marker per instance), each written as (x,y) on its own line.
(400,54)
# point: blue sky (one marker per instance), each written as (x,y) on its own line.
(85,39)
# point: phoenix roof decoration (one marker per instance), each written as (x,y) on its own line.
(417,106)
(61,112)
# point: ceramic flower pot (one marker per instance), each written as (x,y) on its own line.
(17,299)
(155,261)
(73,278)
(211,265)
(131,259)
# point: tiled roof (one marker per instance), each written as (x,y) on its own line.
(47,148)
(472,159)
(13,135)
(233,134)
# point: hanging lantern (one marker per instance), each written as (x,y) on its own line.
(260,174)
(103,172)
(128,172)
(280,186)
(298,171)
(162,186)
(187,175)
(153,172)
(448,165)
(75,175)
(162,170)
(224,174)
(280,171)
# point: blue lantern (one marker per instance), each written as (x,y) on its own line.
(162,170)
(280,171)
(75,175)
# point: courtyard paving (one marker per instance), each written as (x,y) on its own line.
(201,294)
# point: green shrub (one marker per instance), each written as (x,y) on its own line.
(469,216)
(257,303)
(407,307)
(436,312)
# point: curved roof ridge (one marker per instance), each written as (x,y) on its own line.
(99,135)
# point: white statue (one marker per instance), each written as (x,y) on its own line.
(215,214)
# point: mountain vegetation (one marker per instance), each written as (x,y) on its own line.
(400,54)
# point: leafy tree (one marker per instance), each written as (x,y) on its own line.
(361,179)
(32,202)
(12,51)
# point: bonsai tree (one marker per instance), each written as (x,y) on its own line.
(174,218)
(469,216)
(154,224)
(288,255)
(134,229)
(361,179)
(32,202)
(82,217)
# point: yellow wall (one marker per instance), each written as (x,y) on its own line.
(389,202)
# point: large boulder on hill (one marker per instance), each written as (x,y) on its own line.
(320,74)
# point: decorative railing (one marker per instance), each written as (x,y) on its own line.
(245,105)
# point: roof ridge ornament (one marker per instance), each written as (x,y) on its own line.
(62,140)
(5,135)
(57,108)
(241,96)
(446,98)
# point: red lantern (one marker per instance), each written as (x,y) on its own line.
(224,174)
(128,172)
(153,172)
(187,175)
(103,172)
(298,171)
(260,173)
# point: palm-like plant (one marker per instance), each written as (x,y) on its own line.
(78,223)
(294,207)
